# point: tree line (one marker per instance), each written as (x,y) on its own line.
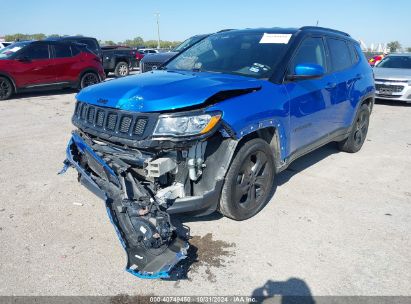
(135,42)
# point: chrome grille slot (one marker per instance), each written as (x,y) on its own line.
(125,124)
(108,123)
(100,118)
(111,121)
(140,126)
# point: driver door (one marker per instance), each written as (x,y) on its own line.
(310,99)
(34,66)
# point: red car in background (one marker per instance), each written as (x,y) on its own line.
(44,65)
(373,61)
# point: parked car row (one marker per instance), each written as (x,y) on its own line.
(62,62)
(48,64)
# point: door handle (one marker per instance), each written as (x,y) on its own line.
(330,85)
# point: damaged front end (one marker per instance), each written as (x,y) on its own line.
(143,180)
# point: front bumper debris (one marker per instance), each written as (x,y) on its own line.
(143,227)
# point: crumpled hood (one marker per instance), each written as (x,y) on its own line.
(394,74)
(163,90)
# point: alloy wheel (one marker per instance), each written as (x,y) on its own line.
(5,89)
(89,79)
(123,70)
(361,128)
(252,183)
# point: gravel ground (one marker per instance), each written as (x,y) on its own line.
(339,224)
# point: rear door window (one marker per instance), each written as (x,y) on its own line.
(62,50)
(354,55)
(340,54)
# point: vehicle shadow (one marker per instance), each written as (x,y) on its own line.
(42,93)
(292,291)
(307,161)
(391,103)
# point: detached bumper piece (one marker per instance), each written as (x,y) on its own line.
(143,226)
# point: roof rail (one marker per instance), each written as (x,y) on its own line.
(324,29)
(225,30)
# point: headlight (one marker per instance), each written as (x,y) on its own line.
(169,125)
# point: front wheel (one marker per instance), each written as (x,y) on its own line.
(6,88)
(249,181)
(359,130)
(88,79)
(121,69)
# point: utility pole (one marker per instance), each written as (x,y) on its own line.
(158,29)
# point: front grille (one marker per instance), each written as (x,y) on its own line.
(108,122)
(147,66)
(386,88)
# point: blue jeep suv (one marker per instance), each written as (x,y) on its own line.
(212,128)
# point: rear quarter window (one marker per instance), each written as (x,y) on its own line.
(62,50)
(354,54)
(91,44)
(340,54)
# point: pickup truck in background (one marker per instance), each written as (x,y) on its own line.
(118,59)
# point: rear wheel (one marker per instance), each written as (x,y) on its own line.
(121,69)
(359,130)
(88,79)
(249,181)
(6,88)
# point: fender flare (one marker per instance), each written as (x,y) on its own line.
(278,141)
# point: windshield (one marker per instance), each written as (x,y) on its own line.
(396,62)
(9,51)
(187,43)
(249,54)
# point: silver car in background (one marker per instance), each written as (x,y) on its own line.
(393,78)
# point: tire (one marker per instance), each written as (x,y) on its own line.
(359,130)
(249,182)
(6,88)
(121,69)
(88,79)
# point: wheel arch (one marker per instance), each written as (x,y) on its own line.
(89,70)
(122,59)
(272,133)
(8,77)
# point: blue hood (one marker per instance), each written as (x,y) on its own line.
(163,90)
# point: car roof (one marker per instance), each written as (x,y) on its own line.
(304,29)
(69,38)
(400,54)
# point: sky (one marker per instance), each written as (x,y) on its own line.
(372,21)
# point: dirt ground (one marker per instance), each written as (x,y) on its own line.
(339,224)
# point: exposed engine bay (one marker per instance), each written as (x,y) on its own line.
(142,187)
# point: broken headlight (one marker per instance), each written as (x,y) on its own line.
(187,125)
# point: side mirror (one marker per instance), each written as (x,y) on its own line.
(307,71)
